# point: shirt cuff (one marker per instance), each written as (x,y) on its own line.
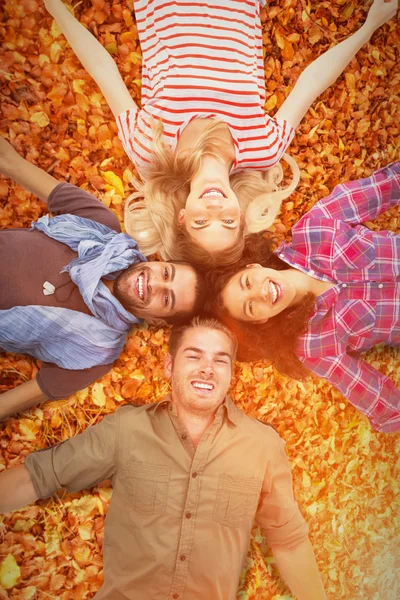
(40,467)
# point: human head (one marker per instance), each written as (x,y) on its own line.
(275,339)
(152,212)
(161,292)
(199,363)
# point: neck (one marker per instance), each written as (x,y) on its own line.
(306,284)
(109,284)
(195,422)
(211,171)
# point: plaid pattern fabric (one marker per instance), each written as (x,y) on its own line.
(363,308)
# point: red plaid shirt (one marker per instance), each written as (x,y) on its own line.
(363,309)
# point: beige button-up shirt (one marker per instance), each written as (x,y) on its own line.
(180,517)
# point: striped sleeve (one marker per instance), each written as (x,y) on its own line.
(126,123)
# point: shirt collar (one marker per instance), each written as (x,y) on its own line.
(233,413)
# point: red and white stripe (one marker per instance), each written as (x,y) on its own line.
(203,59)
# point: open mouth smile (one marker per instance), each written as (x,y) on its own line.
(203,386)
(142,286)
(275,291)
(213,193)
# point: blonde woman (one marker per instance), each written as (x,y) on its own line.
(202,143)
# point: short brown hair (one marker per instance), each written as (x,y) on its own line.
(178,331)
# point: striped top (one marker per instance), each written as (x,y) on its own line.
(203,59)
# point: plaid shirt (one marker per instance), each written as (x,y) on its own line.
(363,308)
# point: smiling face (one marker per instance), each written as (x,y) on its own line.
(201,370)
(156,290)
(212,216)
(258,293)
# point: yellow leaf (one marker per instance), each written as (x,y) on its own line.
(78,85)
(348,10)
(9,572)
(306,479)
(81,127)
(84,506)
(98,395)
(279,39)
(43,60)
(18,58)
(271,103)
(350,81)
(85,531)
(341,145)
(111,48)
(55,52)
(28,429)
(115,181)
(135,57)
(55,30)
(95,99)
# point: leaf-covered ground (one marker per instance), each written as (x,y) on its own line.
(346,476)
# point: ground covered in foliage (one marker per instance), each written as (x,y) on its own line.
(346,476)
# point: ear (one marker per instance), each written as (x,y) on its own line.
(252,265)
(181,216)
(156,322)
(168,366)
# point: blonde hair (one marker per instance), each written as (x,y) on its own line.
(151,212)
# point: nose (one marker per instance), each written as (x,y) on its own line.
(206,369)
(214,204)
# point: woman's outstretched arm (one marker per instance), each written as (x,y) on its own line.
(324,71)
(94,57)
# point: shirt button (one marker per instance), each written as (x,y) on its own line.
(194,475)
(175,596)
(184,436)
(380,286)
(170,407)
(311,271)
(281,255)
(188,515)
(182,557)
(344,285)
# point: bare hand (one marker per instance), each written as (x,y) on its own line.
(381,11)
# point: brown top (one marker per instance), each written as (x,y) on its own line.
(179,521)
(29,258)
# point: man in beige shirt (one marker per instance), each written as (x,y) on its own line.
(190,474)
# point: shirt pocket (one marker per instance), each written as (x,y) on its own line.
(237,500)
(146,486)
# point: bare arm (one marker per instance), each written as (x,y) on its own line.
(24,173)
(324,71)
(299,569)
(16,489)
(94,57)
(21,398)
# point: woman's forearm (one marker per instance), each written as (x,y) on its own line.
(90,52)
(324,70)
(16,489)
(94,57)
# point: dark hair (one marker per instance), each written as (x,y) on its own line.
(276,339)
(178,331)
(183,316)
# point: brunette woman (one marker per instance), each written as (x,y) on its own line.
(320,300)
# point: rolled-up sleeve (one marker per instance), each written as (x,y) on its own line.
(78,463)
(278,513)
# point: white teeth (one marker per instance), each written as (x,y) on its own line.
(140,286)
(213,194)
(274,292)
(202,386)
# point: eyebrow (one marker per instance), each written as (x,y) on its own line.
(199,351)
(242,288)
(173,297)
